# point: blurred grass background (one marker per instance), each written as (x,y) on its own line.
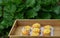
(26,9)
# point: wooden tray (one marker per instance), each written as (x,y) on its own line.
(19,23)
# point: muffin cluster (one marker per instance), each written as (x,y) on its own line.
(35,30)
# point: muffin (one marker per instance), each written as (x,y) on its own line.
(36,30)
(46,32)
(27,28)
(36,25)
(25,32)
(47,27)
(35,34)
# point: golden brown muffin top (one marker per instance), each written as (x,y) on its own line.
(36,25)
